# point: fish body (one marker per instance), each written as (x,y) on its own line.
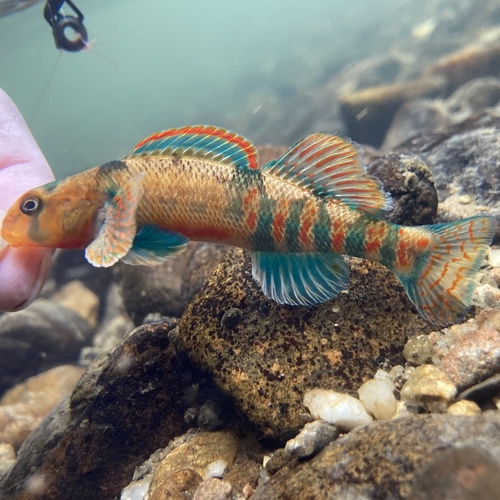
(296,216)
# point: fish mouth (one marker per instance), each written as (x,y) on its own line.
(10,236)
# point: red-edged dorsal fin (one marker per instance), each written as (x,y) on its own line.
(201,141)
(331,167)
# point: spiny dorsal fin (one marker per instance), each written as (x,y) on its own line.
(332,168)
(201,141)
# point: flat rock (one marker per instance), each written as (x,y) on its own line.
(266,356)
(412,457)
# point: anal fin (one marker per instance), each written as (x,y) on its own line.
(301,279)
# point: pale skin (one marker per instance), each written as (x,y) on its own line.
(22,166)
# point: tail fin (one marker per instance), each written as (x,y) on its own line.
(443,280)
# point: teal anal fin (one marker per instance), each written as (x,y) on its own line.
(152,246)
(300,279)
(117,225)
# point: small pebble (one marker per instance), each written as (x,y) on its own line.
(377,395)
(213,489)
(429,388)
(418,350)
(313,437)
(342,410)
(7,457)
(137,490)
(494,257)
(464,407)
(216,468)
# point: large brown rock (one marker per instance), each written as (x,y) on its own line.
(266,356)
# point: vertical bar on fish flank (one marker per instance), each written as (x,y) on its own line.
(292,225)
(262,239)
(322,228)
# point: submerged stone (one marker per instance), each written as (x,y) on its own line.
(393,460)
(274,354)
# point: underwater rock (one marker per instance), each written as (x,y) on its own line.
(428,115)
(37,338)
(377,396)
(475,357)
(342,410)
(168,288)
(71,265)
(418,350)
(467,63)
(411,186)
(429,388)
(7,458)
(465,473)
(268,360)
(313,437)
(464,407)
(383,460)
(195,458)
(125,406)
(464,161)
(199,454)
(368,112)
(77,297)
(214,489)
(24,406)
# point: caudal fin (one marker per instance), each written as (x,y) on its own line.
(443,281)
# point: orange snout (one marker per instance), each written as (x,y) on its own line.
(15,228)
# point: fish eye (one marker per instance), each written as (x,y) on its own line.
(30,205)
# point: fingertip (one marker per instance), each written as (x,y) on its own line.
(23,272)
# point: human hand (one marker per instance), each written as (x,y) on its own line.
(22,166)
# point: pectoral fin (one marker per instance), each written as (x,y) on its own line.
(117,225)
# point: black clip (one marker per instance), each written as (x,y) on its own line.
(60,23)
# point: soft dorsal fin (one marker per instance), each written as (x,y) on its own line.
(201,141)
(331,167)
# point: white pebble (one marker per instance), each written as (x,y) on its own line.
(215,468)
(338,409)
(494,257)
(137,490)
(378,397)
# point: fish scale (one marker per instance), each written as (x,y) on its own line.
(296,216)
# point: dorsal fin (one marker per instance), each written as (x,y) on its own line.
(330,167)
(201,141)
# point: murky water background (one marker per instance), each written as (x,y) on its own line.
(157,64)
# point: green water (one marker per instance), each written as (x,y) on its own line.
(155,64)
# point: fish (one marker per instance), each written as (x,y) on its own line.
(297,216)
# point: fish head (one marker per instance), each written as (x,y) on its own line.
(56,215)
